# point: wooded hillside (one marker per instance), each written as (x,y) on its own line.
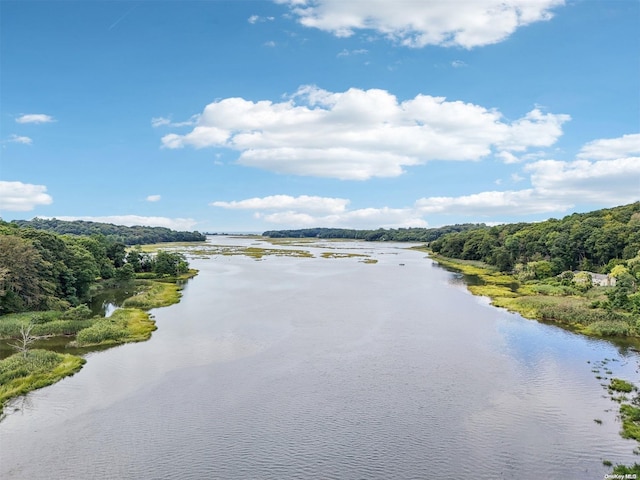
(137,235)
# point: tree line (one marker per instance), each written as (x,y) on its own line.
(378,235)
(596,241)
(137,235)
(43,270)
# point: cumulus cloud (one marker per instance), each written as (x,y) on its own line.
(557,186)
(20,139)
(365,218)
(134,220)
(360,134)
(611,148)
(312,211)
(35,118)
(154,198)
(417,24)
(488,204)
(608,182)
(22,197)
(287,202)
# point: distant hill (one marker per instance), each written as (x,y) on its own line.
(381,234)
(136,235)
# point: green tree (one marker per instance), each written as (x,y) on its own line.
(22,284)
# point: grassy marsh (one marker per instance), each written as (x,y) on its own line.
(124,326)
(544,301)
(23,373)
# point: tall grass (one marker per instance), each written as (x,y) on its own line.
(44,324)
(155,295)
(20,374)
(125,325)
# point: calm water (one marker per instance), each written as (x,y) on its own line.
(298,368)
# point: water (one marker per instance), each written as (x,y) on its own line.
(327,368)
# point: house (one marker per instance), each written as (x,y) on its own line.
(597,279)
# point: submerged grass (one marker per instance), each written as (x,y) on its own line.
(22,373)
(342,255)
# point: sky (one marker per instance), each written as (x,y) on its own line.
(246,116)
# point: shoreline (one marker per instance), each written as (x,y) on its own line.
(505,291)
(32,369)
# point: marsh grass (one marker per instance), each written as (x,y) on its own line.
(154,294)
(619,385)
(342,255)
(45,324)
(20,374)
(124,326)
(545,301)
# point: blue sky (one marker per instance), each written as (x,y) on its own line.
(257,115)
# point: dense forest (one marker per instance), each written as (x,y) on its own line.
(381,234)
(138,235)
(43,270)
(595,241)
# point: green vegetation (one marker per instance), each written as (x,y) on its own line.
(595,241)
(125,325)
(22,373)
(342,255)
(137,235)
(553,299)
(630,416)
(154,295)
(45,280)
(619,385)
(379,235)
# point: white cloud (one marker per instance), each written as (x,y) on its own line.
(13,138)
(270,43)
(287,202)
(535,129)
(166,121)
(160,121)
(488,204)
(608,182)
(418,23)
(311,211)
(22,197)
(610,148)
(253,19)
(359,134)
(35,118)
(556,186)
(365,218)
(347,53)
(133,220)
(154,198)
(458,64)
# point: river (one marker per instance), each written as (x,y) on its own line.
(328,368)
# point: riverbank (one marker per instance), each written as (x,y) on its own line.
(32,369)
(548,301)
